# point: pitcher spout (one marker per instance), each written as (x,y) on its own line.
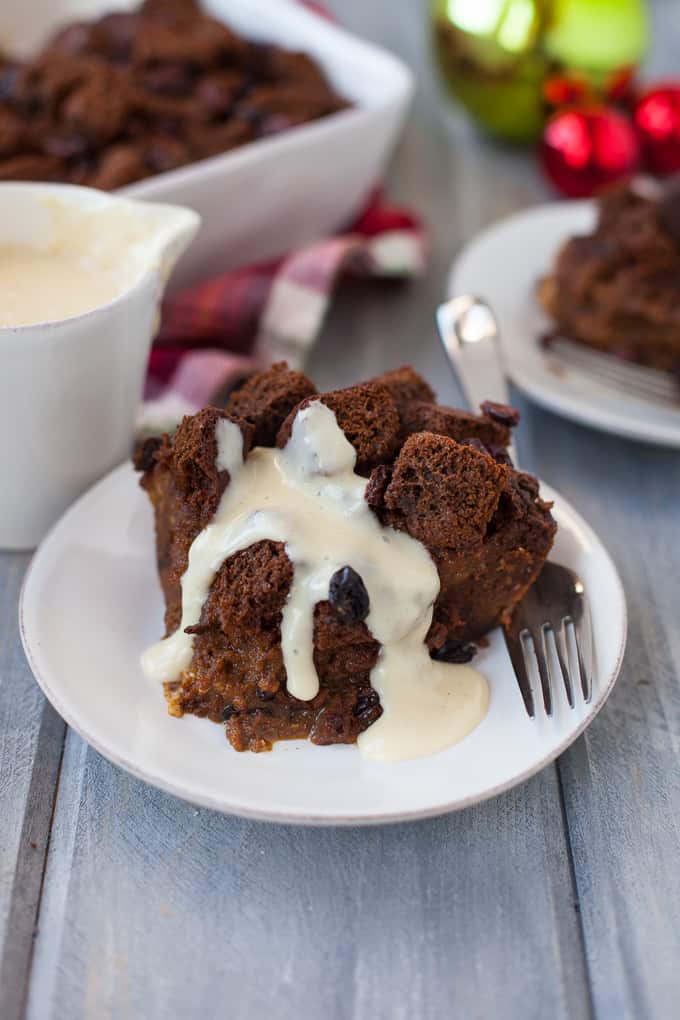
(166,232)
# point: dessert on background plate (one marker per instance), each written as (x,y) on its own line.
(617,288)
(328,561)
(112,101)
(505,265)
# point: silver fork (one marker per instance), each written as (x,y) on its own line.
(552,616)
(550,632)
(633,380)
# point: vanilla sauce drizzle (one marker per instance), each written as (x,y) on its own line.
(309,497)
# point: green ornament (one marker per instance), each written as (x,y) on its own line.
(495,56)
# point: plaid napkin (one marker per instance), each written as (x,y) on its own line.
(217,332)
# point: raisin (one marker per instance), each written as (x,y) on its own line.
(501,455)
(275,124)
(145,455)
(454,651)
(64,146)
(235,385)
(118,31)
(476,444)
(8,79)
(217,92)
(366,701)
(165,153)
(669,210)
(501,413)
(169,80)
(227,712)
(337,723)
(72,41)
(348,596)
(377,485)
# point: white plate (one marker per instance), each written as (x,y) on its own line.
(502,265)
(278,193)
(91,603)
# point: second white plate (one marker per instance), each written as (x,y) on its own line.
(502,265)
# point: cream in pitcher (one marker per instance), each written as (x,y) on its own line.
(43,286)
(81,277)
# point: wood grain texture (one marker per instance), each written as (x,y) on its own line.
(622,781)
(153,908)
(557,900)
(31,739)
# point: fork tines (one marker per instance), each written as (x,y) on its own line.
(550,638)
(532,652)
(634,380)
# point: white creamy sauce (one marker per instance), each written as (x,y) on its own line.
(45,285)
(308,497)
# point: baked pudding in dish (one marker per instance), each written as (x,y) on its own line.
(132,94)
(328,561)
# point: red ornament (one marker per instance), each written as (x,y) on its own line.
(566,90)
(584,150)
(657,118)
(619,88)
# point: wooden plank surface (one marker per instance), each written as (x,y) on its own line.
(155,909)
(558,900)
(31,740)
(622,781)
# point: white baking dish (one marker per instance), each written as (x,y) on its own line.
(260,200)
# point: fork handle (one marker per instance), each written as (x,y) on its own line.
(469,333)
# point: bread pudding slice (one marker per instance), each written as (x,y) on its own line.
(438,475)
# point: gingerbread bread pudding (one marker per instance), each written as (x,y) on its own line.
(461,533)
(136,93)
(618,288)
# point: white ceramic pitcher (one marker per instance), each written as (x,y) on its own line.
(70,389)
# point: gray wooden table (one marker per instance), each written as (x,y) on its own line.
(560,899)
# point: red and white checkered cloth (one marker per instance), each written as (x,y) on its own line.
(246,318)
